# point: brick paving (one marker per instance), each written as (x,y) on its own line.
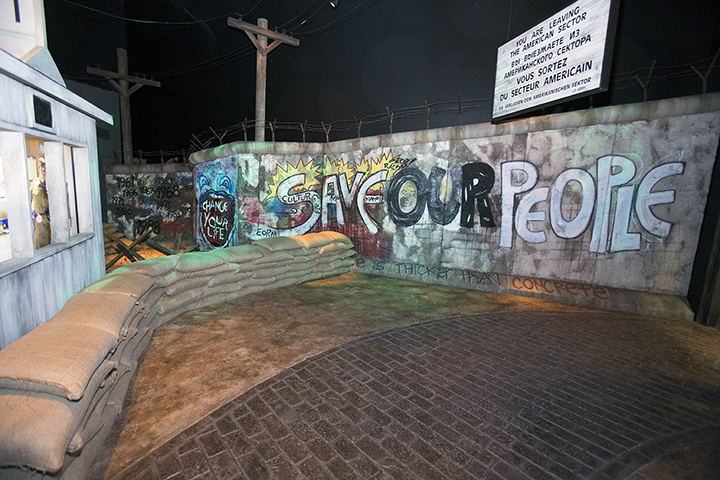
(532,395)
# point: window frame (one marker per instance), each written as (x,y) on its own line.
(13,154)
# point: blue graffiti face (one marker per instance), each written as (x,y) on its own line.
(217,191)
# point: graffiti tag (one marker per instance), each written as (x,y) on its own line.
(217,215)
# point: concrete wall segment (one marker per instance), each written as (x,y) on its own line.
(611,196)
(146,168)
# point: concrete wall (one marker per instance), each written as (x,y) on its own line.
(160,197)
(611,197)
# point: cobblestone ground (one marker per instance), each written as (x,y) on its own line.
(501,396)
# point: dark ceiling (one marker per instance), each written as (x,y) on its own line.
(360,60)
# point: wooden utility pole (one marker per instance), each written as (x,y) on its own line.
(258,36)
(121,81)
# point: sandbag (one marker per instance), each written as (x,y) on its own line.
(169,278)
(333,248)
(320,239)
(107,311)
(64,383)
(38,428)
(280,257)
(270,271)
(276,244)
(240,254)
(228,277)
(55,358)
(198,261)
(152,267)
(134,284)
(185,285)
(45,451)
(302,266)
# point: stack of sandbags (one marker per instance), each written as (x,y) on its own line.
(63,384)
(304,258)
(195,280)
(56,382)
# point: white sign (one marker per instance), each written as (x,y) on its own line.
(560,57)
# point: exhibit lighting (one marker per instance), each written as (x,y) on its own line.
(334,3)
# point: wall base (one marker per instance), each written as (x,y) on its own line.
(657,304)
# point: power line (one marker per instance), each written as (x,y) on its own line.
(150,22)
(347,16)
(323,4)
(306,9)
(253,8)
(207,64)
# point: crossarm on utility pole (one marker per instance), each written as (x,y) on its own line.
(249,27)
(258,35)
(121,81)
(114,76)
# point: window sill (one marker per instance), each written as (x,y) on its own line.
(12,265)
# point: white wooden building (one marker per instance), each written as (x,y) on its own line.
(39,117)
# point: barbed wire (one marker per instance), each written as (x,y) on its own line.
(243,131)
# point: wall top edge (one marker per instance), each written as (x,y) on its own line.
(645,111)
(146,168)
(25,74)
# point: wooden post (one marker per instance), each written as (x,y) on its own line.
(125,120)
(121,81)
(258,36)
(260,83)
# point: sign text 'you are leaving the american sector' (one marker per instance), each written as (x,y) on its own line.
(561,57)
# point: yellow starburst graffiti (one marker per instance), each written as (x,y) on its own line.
(338,167)
(311,177)
(387,161)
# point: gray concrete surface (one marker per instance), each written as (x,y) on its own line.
(414,380)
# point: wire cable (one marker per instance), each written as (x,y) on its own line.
(309,7)
(147,22)
(314,14)
(208,64)
(253,8)
(335,23)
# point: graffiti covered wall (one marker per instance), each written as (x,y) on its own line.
(160,197)
(216,188)
(603,204)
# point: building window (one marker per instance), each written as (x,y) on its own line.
(44,194)
(4,226)
(38,185)
(43,111)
